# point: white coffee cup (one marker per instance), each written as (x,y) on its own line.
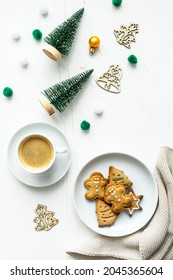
(36,153)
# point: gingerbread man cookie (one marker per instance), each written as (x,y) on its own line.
(95,184)
(117,176)
(115,195)
(135,202)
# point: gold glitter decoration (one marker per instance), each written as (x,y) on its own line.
(45,219)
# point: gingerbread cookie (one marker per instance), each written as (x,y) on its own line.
(105,216)
(117,176)
(95,184)
(115,195)
(135,202)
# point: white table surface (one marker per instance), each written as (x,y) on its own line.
(137,121)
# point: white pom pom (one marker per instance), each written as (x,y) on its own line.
(99,110)
(24,62)
(16,36)
(44,10)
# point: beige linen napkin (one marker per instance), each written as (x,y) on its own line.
(155,241)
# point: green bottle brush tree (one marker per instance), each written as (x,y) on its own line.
(60,95)
(60,40)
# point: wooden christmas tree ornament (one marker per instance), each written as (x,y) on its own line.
(60,95)
(127,34)
(59,41)
(44,219)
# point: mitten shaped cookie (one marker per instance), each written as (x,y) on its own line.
(135,202)
(105,216)
(95,184)
(115,195)
(117,176)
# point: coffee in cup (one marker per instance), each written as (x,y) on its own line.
(36,153)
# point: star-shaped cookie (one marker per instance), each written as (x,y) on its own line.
(135,202)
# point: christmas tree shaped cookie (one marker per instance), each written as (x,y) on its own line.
(105,216)
(117,177)
(60,40)
(60,95)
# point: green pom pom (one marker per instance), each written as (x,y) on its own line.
(37,34)
(7,91)
(85,125)
(132,59)
(116,3)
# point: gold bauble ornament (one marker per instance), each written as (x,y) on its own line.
(94,43)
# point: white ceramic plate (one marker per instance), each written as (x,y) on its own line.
(143,183)
(58,169)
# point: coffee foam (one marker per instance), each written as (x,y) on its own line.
(36,152)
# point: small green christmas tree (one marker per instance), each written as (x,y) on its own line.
(60,95)
(61,38)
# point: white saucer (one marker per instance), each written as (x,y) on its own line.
(58,169)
